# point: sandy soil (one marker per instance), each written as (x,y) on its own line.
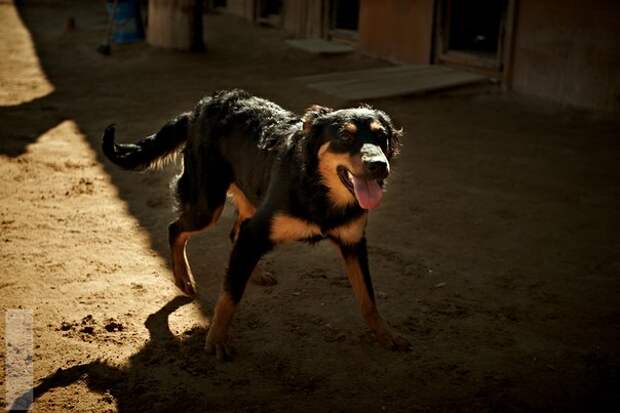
(496,251)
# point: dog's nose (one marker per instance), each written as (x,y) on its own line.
(377,169)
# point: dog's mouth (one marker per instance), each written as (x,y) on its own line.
(368,192)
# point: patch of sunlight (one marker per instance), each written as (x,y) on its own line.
(187,318)
(22,78)
(64,141)
(82,184)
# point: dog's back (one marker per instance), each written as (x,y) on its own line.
(230,136)
(240,136)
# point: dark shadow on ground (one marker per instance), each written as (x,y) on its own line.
(22,132)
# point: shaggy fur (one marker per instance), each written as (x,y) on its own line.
(291,178)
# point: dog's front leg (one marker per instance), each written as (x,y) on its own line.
(251,244)
(356,266)
(259,275)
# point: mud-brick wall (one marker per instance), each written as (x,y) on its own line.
(303,18)
(241,8)
(569,51)
(397,30)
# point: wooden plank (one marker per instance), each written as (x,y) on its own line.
(416,77)
(390,81)
(373,74)
(396,87)
(320,46)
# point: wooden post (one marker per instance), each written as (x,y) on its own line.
(176,24)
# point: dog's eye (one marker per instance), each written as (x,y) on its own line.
(381,138)
(348,131)
(347,136)
(380,133)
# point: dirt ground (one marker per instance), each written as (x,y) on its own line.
(496,250)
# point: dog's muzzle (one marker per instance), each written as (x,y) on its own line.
(376,165)
(368,186)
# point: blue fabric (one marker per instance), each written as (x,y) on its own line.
(127,26)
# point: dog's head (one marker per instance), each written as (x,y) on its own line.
(353,149)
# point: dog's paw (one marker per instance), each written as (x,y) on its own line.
(222,349)
(394,342)
(263,278)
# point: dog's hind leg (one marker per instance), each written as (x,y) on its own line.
(201,199)
(179,233)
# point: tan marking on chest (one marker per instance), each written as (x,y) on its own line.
(287,228)
(352,232)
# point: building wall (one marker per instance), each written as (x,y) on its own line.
(569,51)
(303,18)
(241,8)
(397,30)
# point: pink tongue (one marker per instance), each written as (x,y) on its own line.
(368,193)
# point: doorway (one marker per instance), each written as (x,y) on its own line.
(343,19)
(474,33)
(269,12)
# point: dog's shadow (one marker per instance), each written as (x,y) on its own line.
(165,360)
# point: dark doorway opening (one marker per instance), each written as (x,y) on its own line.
(343,19)
(473,33)
(269,12)
(475,26)
(269,8)
(345,14)
(219,4)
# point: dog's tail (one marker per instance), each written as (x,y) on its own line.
(154,150)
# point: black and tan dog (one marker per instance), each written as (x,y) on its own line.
(291,178)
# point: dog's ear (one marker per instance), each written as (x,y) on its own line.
(394,134)
(312,114)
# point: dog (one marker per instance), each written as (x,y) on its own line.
(291,178)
